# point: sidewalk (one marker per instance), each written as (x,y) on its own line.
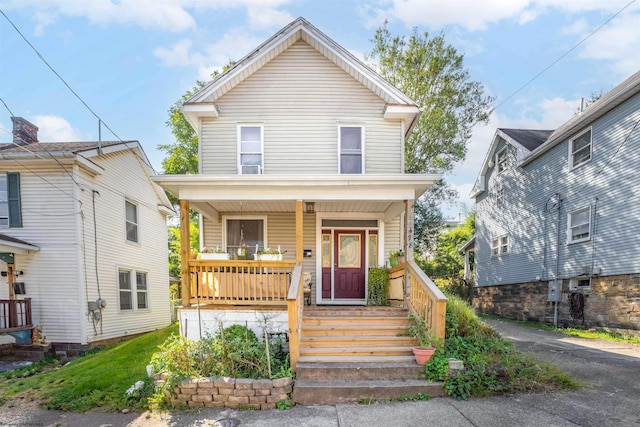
(610,370)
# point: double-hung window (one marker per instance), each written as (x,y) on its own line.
(580,149)
(250,149)
(501,160)
(500,245)
(131,299)
(10,205)
(579,225)
(131,221)
(351,149)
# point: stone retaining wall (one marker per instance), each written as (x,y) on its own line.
(613,302)
(224,392)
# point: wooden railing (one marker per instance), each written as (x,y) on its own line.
(425,299)
(295,305)
(240,282)
(15,315)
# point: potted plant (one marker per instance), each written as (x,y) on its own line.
(243,251)
(378,287)
(401,257)
(210,254)
(393,257)
(269,254)
(427,342)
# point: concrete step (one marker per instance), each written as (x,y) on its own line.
(325,371)
(306,392)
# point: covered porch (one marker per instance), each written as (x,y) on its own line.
(333,227)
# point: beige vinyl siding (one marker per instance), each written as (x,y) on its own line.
(49,215)
(124,179)
(391,237)
(301,98)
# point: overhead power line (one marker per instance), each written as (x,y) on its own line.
(532,79)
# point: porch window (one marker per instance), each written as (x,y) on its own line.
(10,205)
(580,149)
(250,232)
(250,148)
(579,225)
(351,149)
(131,299)
(131,214)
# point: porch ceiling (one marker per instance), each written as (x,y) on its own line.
(271,206)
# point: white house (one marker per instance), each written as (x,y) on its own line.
(83,233)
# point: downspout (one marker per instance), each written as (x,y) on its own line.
(595,235)
(555,304)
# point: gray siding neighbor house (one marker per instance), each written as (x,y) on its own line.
(559,210)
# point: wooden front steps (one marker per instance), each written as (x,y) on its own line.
(353,353)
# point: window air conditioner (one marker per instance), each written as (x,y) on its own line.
(251,170)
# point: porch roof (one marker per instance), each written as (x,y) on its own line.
(210,194)
(10,244)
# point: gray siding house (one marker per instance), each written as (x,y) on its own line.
(558,209)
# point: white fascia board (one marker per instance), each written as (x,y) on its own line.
(402,112)
(90,166)
(17,248)
(193,112)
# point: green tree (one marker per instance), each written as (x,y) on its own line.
(174,246)
(432,73)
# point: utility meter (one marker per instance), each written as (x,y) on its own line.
(555,291)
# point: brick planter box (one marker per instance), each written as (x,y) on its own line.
(224,392)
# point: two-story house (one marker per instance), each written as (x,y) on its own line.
(301,149)
(556,212)
(83,241)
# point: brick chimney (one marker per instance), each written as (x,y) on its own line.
(24,132)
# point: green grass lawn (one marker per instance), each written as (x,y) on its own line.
(98,380)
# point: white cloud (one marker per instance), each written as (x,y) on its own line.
(55,129)
(167,15)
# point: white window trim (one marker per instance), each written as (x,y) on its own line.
(134,290)
(571,165)
(569,234)
(228,217)
(239,127)
(496,243)
(362,147)
(506,159)
(126,221)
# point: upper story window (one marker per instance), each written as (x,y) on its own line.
(501,160)
(500,245)
(10,204)
(500,197)
(580,149)
(579,225)
(250,149)
(131,221)
(351,149)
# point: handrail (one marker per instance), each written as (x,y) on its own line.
(15,315)
(426,299)
(240,282)
(295,305)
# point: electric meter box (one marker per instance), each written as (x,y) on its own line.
(555,291)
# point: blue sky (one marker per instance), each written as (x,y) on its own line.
(130,60)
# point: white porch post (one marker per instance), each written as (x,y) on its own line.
(409,229)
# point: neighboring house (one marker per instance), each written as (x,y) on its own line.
(301,149)
(83,228)
(563,206)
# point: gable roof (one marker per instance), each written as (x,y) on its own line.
(58,147)
(203,102)
(529,139)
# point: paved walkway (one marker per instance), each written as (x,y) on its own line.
(611,397)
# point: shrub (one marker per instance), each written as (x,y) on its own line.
(378,287)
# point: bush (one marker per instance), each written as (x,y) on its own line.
(378,287)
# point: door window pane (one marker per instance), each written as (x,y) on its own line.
(349,250)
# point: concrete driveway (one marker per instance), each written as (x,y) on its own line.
(611,397)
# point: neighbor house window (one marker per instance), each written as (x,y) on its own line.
(500,197)
(131,299)
(579,225)
(580,149)
(500,245)
(248,232)
(10,205)
(501,160)
(250,148)
(351,149)
(131,221)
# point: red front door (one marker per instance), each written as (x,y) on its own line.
(349,264)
